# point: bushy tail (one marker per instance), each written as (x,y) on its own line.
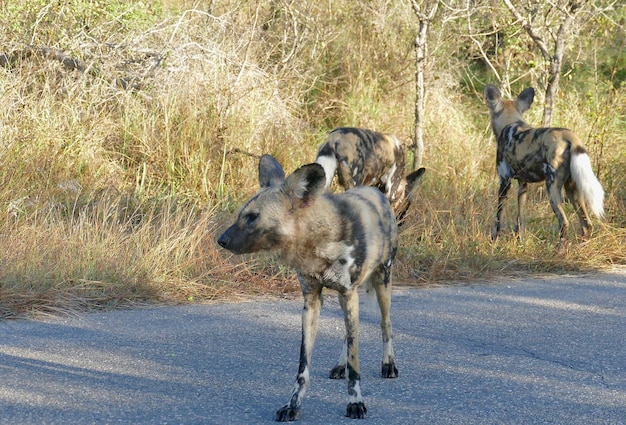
(326,158)
(587,182)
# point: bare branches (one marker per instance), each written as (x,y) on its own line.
(526,24)
(478,43)
(429,13)
(555,58)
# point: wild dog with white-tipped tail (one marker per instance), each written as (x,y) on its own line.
(362,157)
(531,155)
(336,241)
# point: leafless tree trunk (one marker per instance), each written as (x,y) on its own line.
(555,59)
(421,53)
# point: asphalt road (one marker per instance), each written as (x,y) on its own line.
(538,351)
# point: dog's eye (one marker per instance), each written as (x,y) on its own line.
(251,217)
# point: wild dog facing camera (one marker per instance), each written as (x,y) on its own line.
(337,241)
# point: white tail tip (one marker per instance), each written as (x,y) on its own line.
(329,163)
(588,183)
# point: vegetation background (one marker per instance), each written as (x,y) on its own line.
(130,131)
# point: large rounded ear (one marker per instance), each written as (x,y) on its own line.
(525,99)
(306,184)
(493,98)
(270,171)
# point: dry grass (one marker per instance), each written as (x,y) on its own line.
(116,179)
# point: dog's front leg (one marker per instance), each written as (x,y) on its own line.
(310,315)
(350,303)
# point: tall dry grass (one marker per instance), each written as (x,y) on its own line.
(116,178)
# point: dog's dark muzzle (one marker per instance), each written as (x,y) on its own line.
(224,240)
(239,241)
(232,241)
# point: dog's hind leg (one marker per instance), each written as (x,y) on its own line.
(383,294)
(578,202)
(339,370)
(311,291)
(554,183)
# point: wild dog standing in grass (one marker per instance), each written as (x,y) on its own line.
(530,155)
(337,241)
(367,158)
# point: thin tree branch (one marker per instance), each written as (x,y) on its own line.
(530,30)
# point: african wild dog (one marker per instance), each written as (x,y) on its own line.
(337,241)
(530,155)
(367,158)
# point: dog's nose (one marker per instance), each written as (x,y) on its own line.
(223,241)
